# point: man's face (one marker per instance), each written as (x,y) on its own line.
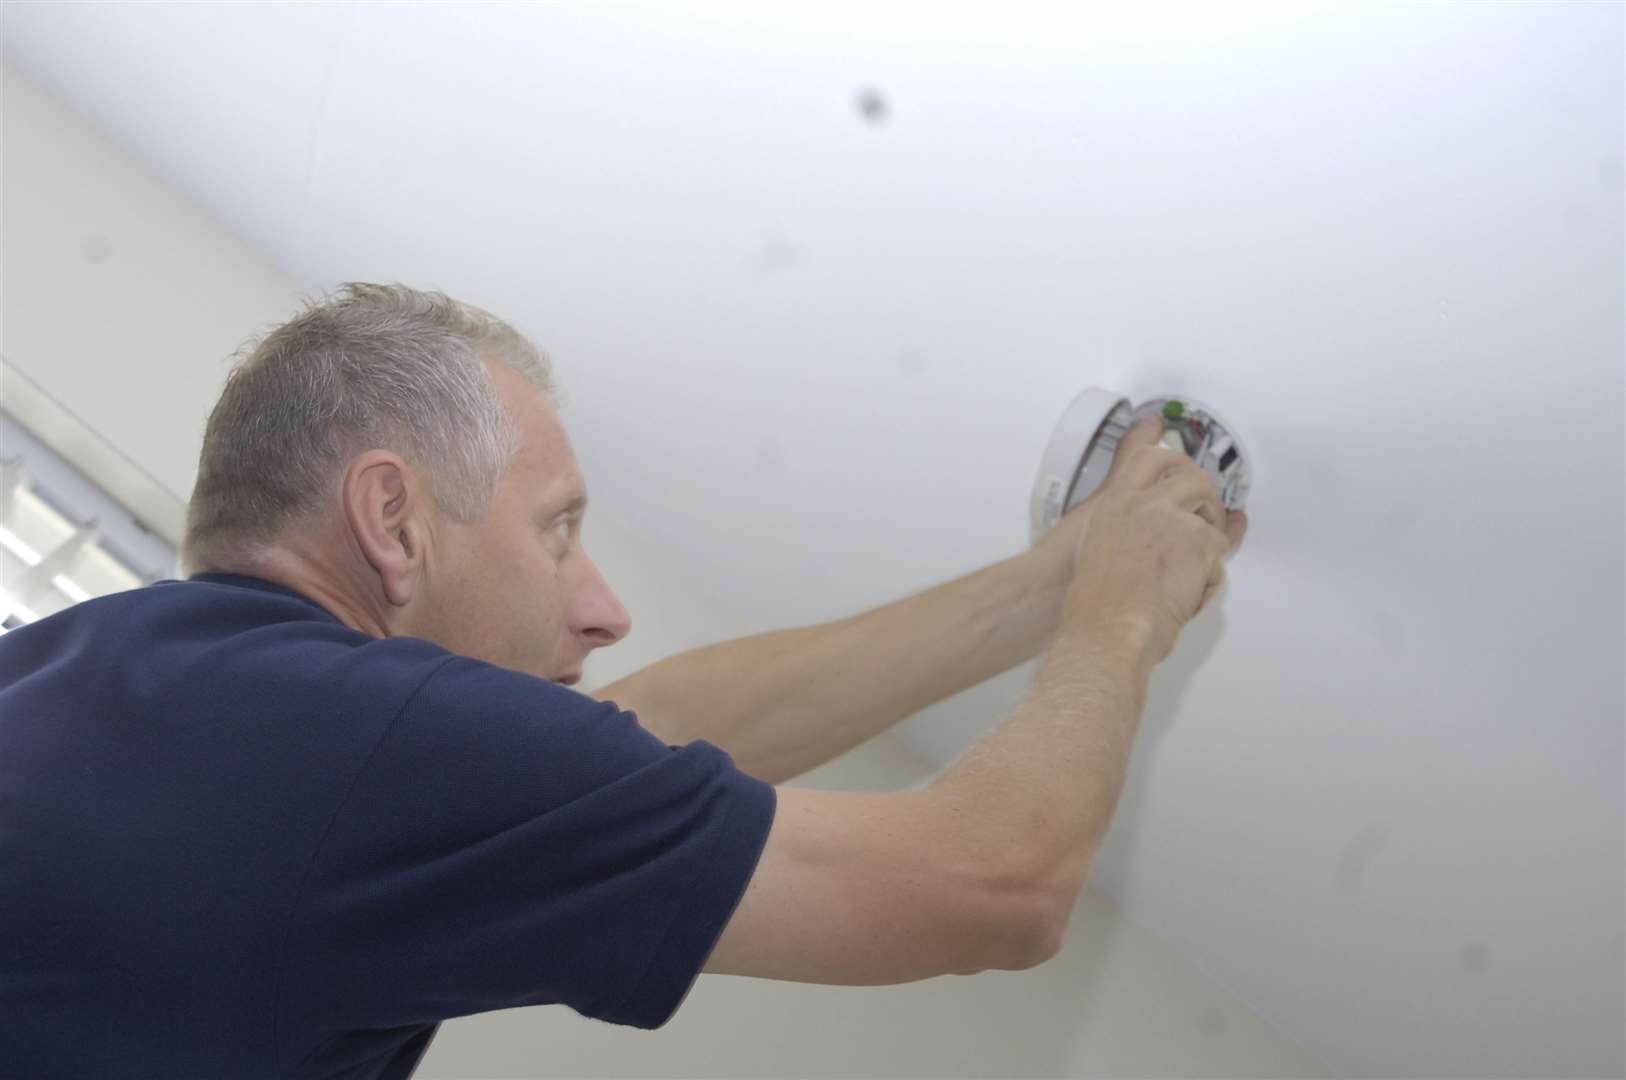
(517,588)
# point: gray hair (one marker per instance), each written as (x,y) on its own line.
(377,366)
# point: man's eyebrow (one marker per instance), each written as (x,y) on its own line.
(574,506)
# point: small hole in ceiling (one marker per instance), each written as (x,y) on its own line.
(872,106)
(96,248)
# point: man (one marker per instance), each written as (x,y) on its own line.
(281,818)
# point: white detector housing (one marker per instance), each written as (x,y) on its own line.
(1086,440)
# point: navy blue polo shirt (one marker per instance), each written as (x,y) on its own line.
(240,839)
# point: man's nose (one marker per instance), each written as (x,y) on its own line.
(602,616)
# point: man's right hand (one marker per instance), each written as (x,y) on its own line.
(1155,548)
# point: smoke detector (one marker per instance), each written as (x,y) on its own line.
(1086,440)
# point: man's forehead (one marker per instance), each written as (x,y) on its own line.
(544,444)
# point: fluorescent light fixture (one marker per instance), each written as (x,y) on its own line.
(63,538)
(69,589)
(15,545)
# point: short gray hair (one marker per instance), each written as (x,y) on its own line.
(376,366)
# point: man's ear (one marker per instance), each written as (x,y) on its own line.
(385,506)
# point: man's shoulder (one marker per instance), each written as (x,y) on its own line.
(259,642)
(288,633)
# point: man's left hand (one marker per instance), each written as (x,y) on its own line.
(1058,548)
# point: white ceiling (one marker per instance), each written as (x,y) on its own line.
(815,356)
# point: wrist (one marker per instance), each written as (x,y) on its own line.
(1050,565)
(1129,642)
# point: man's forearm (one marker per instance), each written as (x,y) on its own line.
(787,701)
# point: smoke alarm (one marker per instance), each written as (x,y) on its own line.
(1086,440)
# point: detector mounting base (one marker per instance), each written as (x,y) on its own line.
(1086,439)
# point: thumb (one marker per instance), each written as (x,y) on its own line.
(1145,432)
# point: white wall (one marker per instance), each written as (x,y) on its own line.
(123,304)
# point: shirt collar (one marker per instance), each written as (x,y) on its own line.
(244,581)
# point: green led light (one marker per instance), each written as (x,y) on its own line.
(1174,410)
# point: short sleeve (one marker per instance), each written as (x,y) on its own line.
(513,842)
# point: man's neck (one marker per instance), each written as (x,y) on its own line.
(292,571)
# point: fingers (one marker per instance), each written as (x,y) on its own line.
(1147,462)
(1230,526)
(1196,494)
(1236,527)
(1216,582)
(1143,459)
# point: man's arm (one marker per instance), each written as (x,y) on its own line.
(785,702)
